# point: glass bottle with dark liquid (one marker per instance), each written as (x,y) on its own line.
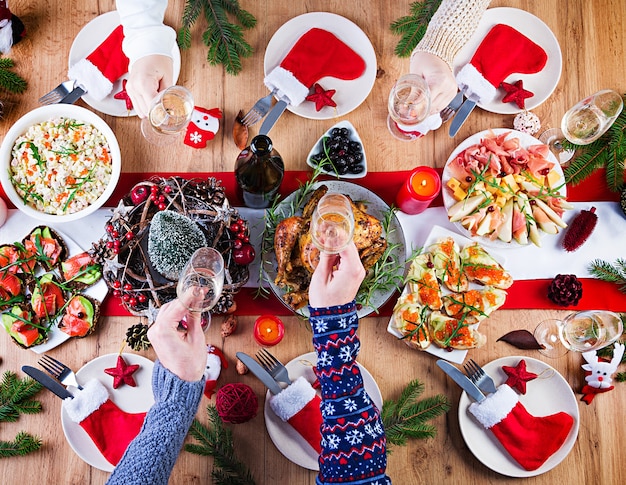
(259,171)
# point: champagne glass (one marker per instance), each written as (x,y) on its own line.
(200,283)
(408,105)
(553,137)
(589,119)
(579,332)
(170,113)
(332,223)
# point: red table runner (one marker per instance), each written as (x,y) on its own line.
(524,294)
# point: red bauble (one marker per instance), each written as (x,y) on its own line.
(236,403)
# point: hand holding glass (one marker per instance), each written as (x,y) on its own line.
(169,115)
(579,332)
(408,105)
(201,281)
(332,223)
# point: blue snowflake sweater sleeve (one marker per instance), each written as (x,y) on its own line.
(353,438)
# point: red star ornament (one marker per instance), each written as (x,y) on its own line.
(123,94)
(122,373)
(518,376)
(322,97)
(516,93)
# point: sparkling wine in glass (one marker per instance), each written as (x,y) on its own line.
(582,331)
(169,116)
(408,105)
(201,281)
(589,119)
(332,223)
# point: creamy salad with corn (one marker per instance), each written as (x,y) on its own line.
(60,166)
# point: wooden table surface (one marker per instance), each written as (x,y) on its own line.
(593,44)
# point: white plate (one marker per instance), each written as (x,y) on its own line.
(376,207)
(11,234)
(349,94)
(90,37)
(542,83)
(437,233)
(526,140)
(288,441)
(130,399)
(318,147)
(548,394)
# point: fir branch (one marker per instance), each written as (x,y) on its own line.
(9,80)
(224,39)
(613,273)
(218,443)
(407,417)
(15,397)
(412,27)
(607,151)
(23,444)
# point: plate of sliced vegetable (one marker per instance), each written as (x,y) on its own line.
(505,188)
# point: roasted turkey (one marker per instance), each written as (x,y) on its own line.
(297,256)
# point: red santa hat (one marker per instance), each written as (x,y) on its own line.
(502,52)
(316,54)
(97,72)
(529,439)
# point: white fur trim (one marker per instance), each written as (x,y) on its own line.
(287,86)
(86,401)
(293,399)
(6,37)
(495,407)
(474,85)
(88,76)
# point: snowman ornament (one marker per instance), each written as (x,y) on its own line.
(203,126)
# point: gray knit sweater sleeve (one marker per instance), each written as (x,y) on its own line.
(151,456)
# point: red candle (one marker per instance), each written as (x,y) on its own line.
(419,190)
(268,330)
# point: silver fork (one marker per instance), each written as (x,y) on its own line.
(258,111)
(59,370)
(58,93)
(479,377)
(272,365)
(448,112)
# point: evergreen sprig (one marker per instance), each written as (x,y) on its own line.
(15,397)
(23,444)
(608,151)
(10,80)
(217,442)
(224,39)
(407,417)
(613,273)
(412,27)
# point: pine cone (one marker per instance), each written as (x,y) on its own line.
(565,290)
(137,337)
(100,252)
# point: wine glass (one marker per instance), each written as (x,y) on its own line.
(170,113)
(200,283)
(589,119)
(332,223)
(578,332)
(408,105)
(554,137)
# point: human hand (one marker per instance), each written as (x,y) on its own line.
(148,76)
(337,278)
(182,352)
(439,78)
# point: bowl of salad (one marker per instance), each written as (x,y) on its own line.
(59,163)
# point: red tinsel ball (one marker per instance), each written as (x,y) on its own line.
(236,403)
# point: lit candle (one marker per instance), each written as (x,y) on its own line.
(268,330)
(419,190)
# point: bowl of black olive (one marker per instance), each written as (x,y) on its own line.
(339,152)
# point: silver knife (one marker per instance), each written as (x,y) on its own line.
(72,96)
(272,117)
(260,372)
(46,381)
(462,380)
(461,116)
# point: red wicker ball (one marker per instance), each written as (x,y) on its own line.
(236,403)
